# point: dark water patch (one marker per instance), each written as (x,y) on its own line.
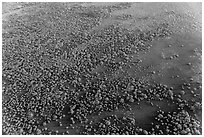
(123,17)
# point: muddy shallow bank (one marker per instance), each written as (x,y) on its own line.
(108,68)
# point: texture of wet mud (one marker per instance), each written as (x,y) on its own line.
(72,68)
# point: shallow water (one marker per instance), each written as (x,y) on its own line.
(175,71)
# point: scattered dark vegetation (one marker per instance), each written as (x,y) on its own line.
(57,69)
